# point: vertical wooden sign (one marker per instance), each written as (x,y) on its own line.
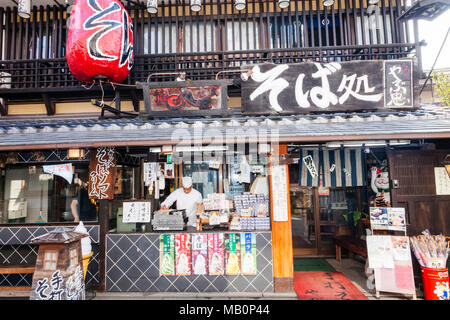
(102,173)
(283,258)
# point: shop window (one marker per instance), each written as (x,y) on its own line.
(50,260)
(30,195)
(204,179)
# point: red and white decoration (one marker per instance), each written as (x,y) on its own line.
(100,41)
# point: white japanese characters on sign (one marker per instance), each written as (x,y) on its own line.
(136,212)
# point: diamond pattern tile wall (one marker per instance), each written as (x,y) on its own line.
(16,254)
(24,235)
(15,248)
(132,265)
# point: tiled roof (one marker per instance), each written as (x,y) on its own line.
(426,120)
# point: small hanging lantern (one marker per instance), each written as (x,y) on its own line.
(152,6)
(283,4)
(196,5)
(24,8)
(239,4)
(328,3)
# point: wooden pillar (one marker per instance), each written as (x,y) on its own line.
(316,214)
(103,219)
(282,250)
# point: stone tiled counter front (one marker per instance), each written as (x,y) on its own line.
(132,265)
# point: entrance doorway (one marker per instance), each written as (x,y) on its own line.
(318,215)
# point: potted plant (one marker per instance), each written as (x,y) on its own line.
(353,218)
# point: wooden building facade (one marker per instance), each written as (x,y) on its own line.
(45,109)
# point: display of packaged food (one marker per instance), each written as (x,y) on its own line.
(232,254)
(216,254)
(199,254)
(166,258)
(182,254)
(248,254)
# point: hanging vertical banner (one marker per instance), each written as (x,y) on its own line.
(248,253)
(183,254)
(166,255)
(63,170)
(279,192)
(199,254)
(216,254)
(232,254)
(102,173)
(150,173)
(309,163)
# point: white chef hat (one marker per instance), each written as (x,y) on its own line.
(187,182)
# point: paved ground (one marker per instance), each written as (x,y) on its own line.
(352,269)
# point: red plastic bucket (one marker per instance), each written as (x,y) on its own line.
(435,283)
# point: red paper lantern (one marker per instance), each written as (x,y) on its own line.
(100,41)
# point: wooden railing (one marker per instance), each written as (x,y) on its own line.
(47,75)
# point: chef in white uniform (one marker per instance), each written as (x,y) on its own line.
(186,198)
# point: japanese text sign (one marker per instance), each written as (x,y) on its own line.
(102,173)
(329,87)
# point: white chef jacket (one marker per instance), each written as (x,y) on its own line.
(185,201)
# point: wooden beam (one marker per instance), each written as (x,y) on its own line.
(134,100)
(49,105)
(3,107)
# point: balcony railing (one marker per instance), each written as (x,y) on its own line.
(51,75)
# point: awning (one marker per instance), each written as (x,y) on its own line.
(54,133)
(332,168)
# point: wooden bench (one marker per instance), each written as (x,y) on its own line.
(350,243)
(15,291)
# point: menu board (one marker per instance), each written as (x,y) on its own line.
(134,212)
(166,255)
(199,254)
(442,181)
(248,254)
(390,257)
(232,254)
(279,192)
(183,254)
(216,253)
(388,219)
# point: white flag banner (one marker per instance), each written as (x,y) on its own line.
(63,170)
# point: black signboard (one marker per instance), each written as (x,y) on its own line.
(185,98)
(329,87)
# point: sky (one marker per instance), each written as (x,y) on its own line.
(433,32)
